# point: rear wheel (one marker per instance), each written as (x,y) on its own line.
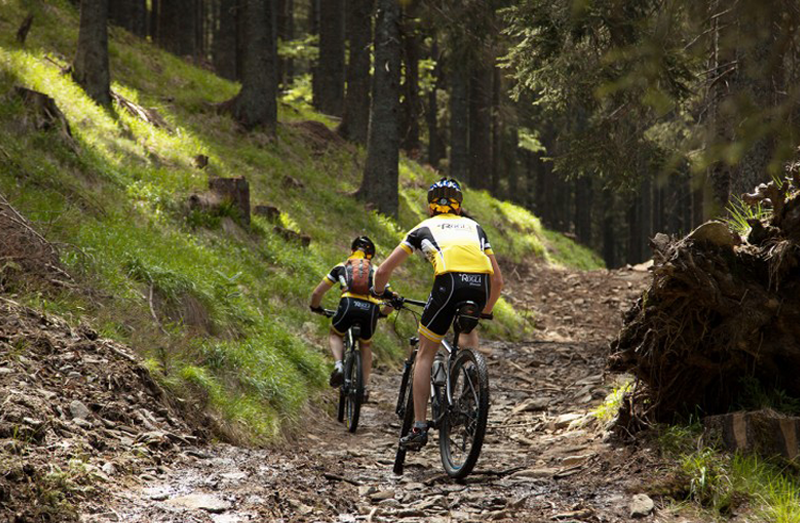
(408,420)
(464,426)
(354,390)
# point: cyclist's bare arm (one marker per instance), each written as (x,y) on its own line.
(316,296)
(384,272)
(497,285)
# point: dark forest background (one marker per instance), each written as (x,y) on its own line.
(610,119)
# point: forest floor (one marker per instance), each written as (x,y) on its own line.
(546,458)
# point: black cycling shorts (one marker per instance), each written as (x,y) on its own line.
(450,289)
(352,311)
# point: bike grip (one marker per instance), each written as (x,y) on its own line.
(485,316)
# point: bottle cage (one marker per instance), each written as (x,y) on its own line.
(467,316)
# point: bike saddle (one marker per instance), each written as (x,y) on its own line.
(356,331)
(467,315)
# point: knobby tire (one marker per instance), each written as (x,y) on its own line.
(354,393)
(465,424)
(408,421)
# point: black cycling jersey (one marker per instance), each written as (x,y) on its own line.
(352,311)
(450,289)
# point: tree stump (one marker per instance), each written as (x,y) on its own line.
(224,195)
(235,191)
(272,214)
(46,114)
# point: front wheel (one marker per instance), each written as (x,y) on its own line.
(408,420)
(353,391)
(464,424)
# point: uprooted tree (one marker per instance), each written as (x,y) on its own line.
(722,315)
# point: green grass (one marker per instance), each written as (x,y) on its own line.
(727,485)
(234,330)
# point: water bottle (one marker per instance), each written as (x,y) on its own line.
(438,373)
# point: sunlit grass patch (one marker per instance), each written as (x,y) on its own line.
(727,485)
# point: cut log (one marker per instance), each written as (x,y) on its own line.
(46,113)
(201,161)
(269,212)
(292,236)
(291,182)
(763,432)
(236,191)
(719,309)
(224,195)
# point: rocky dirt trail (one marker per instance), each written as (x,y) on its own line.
(545,457)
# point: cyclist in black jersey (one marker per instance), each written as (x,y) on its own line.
(465,268)
(353,308)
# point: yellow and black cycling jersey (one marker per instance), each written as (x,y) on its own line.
(452,243)
(340,271)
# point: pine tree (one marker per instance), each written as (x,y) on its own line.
(379,184)
(90,67)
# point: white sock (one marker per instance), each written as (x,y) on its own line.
(338,365)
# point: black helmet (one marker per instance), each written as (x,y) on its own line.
(365,244)
(445,195)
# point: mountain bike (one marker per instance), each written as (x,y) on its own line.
(351,391)
(459,395)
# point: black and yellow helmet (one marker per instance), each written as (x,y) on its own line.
(445,196)
(363,243)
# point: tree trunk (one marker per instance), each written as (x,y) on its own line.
(356,111)
(720,126)
(459,121)
(379,185)
(129,14)
(583,209)
(330,73)
(410,106)
(498,134)
(508,166)
(609,238)
(435,146)
(90,68)
(256,104)
(177,27)
(224,49)
(480,126)
(634,217)
(757,80)
(152,20)
(285,20)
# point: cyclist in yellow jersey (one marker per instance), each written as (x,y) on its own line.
(353,308)
(464,268)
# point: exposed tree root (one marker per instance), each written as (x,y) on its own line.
(720,309)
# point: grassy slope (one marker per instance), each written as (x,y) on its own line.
(115,203)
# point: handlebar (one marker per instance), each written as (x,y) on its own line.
(400,302)
(324,312)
